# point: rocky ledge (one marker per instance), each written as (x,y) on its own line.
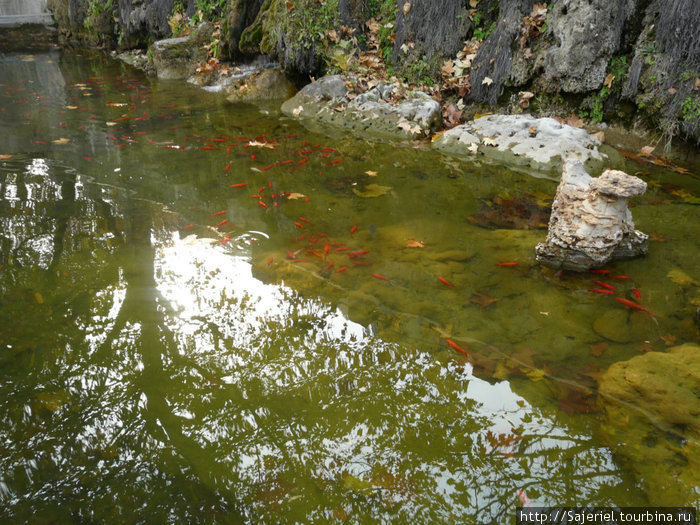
(375,112)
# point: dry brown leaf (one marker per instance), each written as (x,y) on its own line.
(574,121)
(609,80)
(647,151)
(292,196)
(600,136)
(489,142)
(528,53)
(406,8)
(62,140)
(482,299)
(487,80)
(6,156)
(598,349)
(524,98)
(71,107)
(672,90)
(532,131)
(447,69)
(371,173)
(413,243)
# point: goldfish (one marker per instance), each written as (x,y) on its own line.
(304,219)
(456,347)
(228,167)
(222,223)
(218,213)
(604,285)
(446,282)
(599,271)
(507,264)
(336,161)
(225,239)
(632,305)
(239,185)
(380,277)
(602,291)
(187,227)
(299,225)
(262,203)
(329,266)
(341,269)
(353,230)
(620,276)
(357,253)
(269,261)
(636,293)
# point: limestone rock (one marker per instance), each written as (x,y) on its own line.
(177,58)
(651,407)
(590,222)
(508,139)
(326,101)
(268,84)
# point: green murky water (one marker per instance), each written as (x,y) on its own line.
(159,365)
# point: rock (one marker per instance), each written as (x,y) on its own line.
(621,326)
(138,59)
(177,58)
(590,223)
(143,21)
(508,139)
(651,408)
(326,100)
(268,84)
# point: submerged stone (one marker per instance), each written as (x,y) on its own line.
(590,223)
(651,407)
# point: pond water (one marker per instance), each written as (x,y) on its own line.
(211,314)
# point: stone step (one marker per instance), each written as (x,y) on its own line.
(19,20)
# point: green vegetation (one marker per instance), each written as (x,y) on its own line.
(612,85)
(482,27)
(690,109)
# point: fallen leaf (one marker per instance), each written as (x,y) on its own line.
(645,347)
(598,349)
(528,53)
(447,69)
(406,8)
(536,374)
(680,277)
(6,156)
(256,144)
(574,121)
(372,190)
(110,123)
(473,148)
(609,80)
(489,141)
(290,6)
(38,297)
(408,128)
(487,80)
(647,151)
(482,299)
(292,196)
(669,340)
(524,98)
(600,135)
(532,131)
(297,111)
(413,243)
(371,173)
(71,107)
(61,141)
(577,401)
(672,91)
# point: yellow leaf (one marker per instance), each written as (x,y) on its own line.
(71,107)
(6,156)
(413,243)
(487,80)
(294,195)
(609,80)
(489,142)
(61,141)
(535,374)
(479,115)
(647,151)
(406,8)
(371,173)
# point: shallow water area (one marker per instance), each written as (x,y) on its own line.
(210,314)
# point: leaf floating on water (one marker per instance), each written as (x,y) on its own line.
(372,190)
(408,128)
(371,173)
(110,123)
(38,297)
(293,196)
(6,156)
(71,107)
(413,243)
(62,140)
(576,401)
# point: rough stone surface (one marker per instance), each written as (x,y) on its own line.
(177,58)
(651,407)
(589,226)
(508,138)
(326,101)
(144,20)
(268,84)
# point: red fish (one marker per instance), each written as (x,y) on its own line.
(456,347)
(353,230)
(304,219)
(446,282)
(225,239)
(507,264)
(357,253)
(302,161)
(218,213)
(228,167)
(209,148)
(381,277)
(360,263)
(326,249)
(636,293)
(599,271)
(239,185)
(299,225)
(604,285)
(336,161)
(341,269)
(262,203)
(329,266)
(269,261)
(222,223)
(620,276)
(633,305)
(187,227)
(602,290)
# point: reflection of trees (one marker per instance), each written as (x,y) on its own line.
(107,410)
